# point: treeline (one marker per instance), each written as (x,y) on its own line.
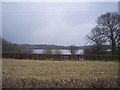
(8,47)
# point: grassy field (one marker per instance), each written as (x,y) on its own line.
(58,73)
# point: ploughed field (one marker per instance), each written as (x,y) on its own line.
(59,74)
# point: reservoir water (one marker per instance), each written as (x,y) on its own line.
(40,51)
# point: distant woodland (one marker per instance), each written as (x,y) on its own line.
(13,48)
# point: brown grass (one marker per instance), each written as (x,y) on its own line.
(58,71)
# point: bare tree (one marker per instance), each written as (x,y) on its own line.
(73,49)
(96,38)
(110,28)
(58,52)
(47,51)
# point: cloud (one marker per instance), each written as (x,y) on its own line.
(51,23)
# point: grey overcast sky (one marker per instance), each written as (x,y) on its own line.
(59,23)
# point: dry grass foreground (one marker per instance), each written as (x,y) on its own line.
(59,74)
